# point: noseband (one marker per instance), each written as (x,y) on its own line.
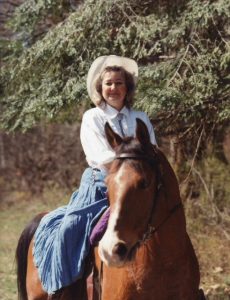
(150,228)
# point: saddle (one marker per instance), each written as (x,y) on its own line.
(100,228)
(96,235)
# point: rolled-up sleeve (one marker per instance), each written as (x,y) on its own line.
(95,145)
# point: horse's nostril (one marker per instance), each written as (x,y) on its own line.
(120,249)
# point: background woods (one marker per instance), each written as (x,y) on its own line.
(44,157)
(183,50)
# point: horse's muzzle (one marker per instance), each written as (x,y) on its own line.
(116,255)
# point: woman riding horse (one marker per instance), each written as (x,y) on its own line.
(61,241)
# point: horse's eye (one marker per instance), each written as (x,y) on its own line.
(143,184)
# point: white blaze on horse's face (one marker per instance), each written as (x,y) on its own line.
(131,205)
(110,237)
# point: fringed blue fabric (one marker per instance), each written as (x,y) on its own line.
(61,241)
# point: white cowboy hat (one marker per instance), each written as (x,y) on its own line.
(101,63)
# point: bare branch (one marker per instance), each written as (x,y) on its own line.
(193,162)
(180,64)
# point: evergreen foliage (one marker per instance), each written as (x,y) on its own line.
(182,48)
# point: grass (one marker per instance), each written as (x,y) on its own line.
(212,248)
(16,212)
(211,245)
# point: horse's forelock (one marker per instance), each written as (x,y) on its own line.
(131,146)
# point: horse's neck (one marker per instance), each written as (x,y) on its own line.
(165,208)
(169,181)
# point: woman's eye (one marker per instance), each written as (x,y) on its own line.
(115,83)
(121,83)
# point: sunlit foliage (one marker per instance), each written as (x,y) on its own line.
(182,48)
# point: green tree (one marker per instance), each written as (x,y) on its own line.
(182,48)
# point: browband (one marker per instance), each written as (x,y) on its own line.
(128,155)
(133,156)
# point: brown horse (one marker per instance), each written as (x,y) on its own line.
(146,252)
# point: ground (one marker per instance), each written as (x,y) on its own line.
(210,242)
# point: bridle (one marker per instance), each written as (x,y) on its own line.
(150,228)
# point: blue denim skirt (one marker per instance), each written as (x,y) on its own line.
(61,241)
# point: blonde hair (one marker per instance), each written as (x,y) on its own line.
(129,81)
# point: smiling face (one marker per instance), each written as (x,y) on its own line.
(114,89)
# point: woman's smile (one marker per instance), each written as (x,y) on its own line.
(114,89)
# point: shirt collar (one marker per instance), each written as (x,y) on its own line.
(112,113)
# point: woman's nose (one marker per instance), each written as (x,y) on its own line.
(113,86)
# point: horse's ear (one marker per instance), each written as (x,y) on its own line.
(113,138)
(168,179)
(142,133)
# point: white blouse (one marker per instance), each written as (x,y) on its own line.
(97,150)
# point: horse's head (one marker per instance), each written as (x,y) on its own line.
(132,184)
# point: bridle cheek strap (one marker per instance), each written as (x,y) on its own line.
(152,229)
